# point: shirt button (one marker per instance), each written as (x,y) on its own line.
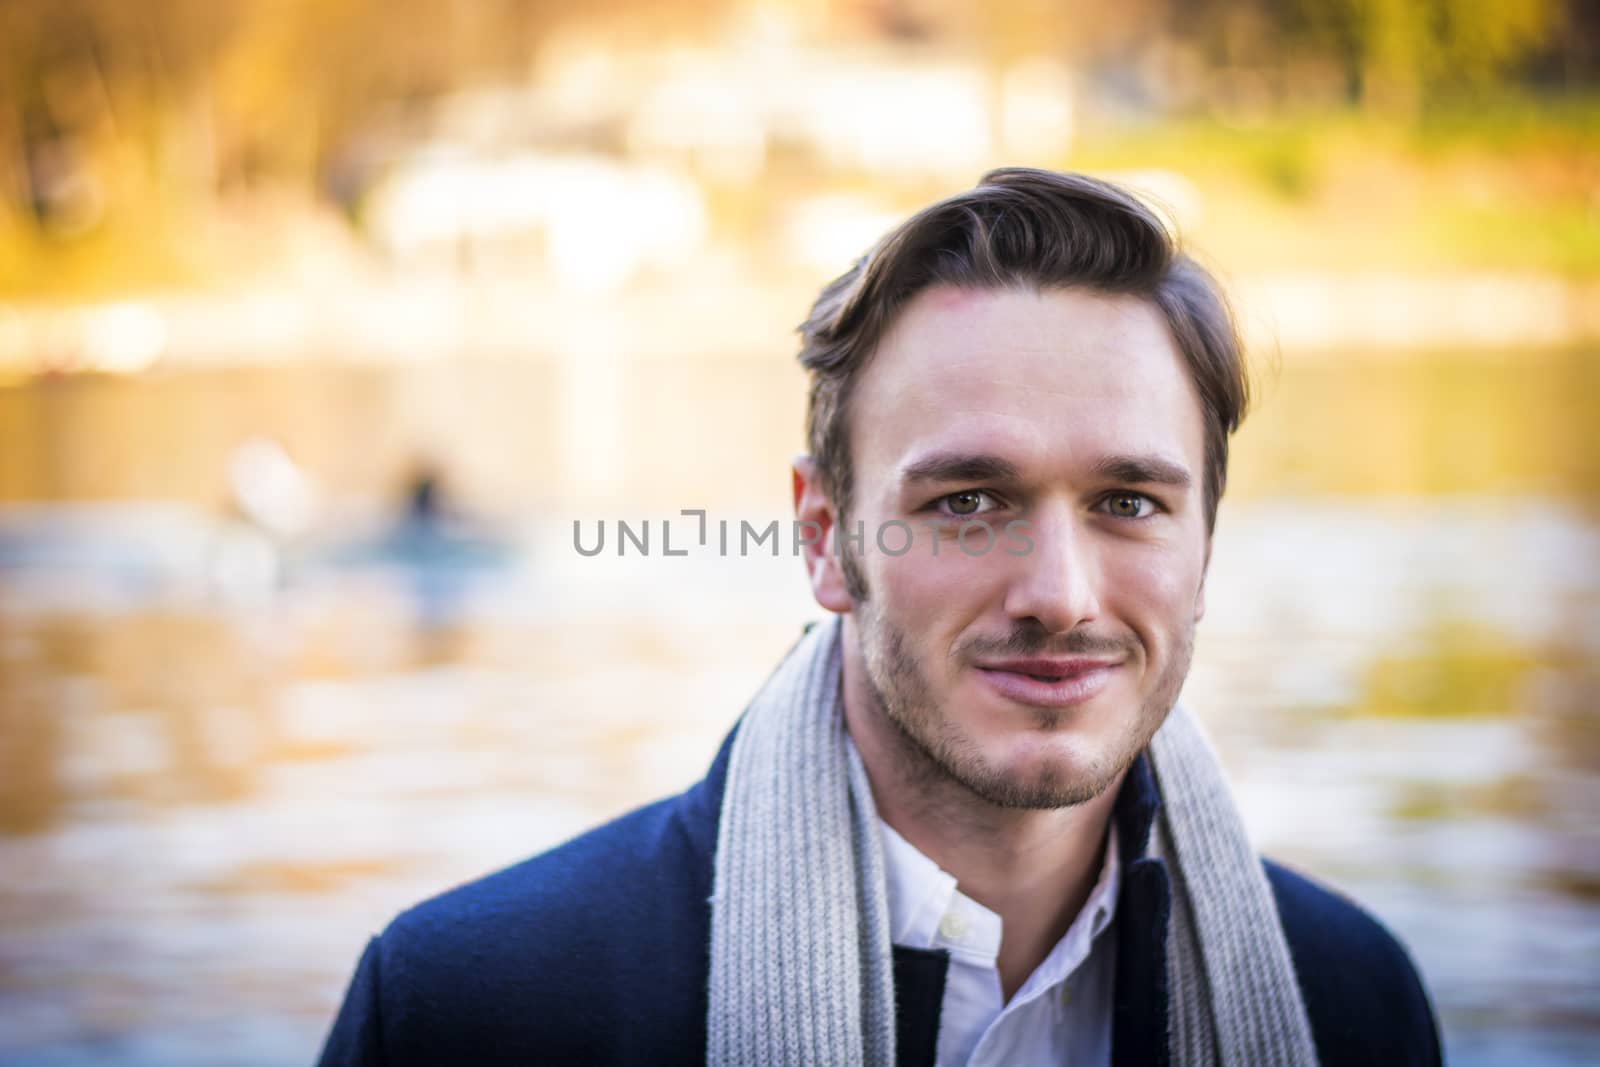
(953,926)
(1066,995)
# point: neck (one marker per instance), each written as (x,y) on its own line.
(1035,868)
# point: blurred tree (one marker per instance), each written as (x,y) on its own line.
(1398,54)
(1393,55)
(192,96)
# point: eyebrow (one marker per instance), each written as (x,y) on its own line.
(959,467)
(983,467)
(1144,470)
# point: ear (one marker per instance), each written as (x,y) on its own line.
(811,505)
(1200,594)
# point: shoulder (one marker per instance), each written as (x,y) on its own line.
(593,880)
(1364,995)
(589,894)
(595,951)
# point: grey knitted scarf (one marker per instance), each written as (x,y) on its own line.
(801,962)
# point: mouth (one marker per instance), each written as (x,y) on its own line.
(1048,683)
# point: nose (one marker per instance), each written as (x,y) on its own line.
(1055,583)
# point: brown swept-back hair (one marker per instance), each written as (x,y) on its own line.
(1022,227)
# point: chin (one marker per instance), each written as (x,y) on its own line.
(1035,773)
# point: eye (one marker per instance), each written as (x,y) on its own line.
(1130,505)
(967,502)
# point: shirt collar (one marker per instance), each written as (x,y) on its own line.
(927,910)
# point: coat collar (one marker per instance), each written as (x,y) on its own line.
(1139,1011)
(1135,810)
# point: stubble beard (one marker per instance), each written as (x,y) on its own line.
(935,751)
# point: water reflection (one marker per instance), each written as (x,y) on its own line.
(1406,692)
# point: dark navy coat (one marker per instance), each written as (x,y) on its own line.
(597,952)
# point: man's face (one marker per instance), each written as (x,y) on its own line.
(1035,678)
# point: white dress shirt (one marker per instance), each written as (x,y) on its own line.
(1060,1015)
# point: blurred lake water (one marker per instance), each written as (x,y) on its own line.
(212,792)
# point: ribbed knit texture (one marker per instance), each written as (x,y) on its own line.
(801,960)
(1233,994)
(801,963)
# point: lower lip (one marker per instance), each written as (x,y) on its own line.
(1059,693)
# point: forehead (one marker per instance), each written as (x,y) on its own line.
(1054,380)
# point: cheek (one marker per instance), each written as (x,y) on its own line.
(1155,591)
(934,597)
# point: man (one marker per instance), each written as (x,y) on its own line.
(965,821)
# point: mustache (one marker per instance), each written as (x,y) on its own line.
(1035,641)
